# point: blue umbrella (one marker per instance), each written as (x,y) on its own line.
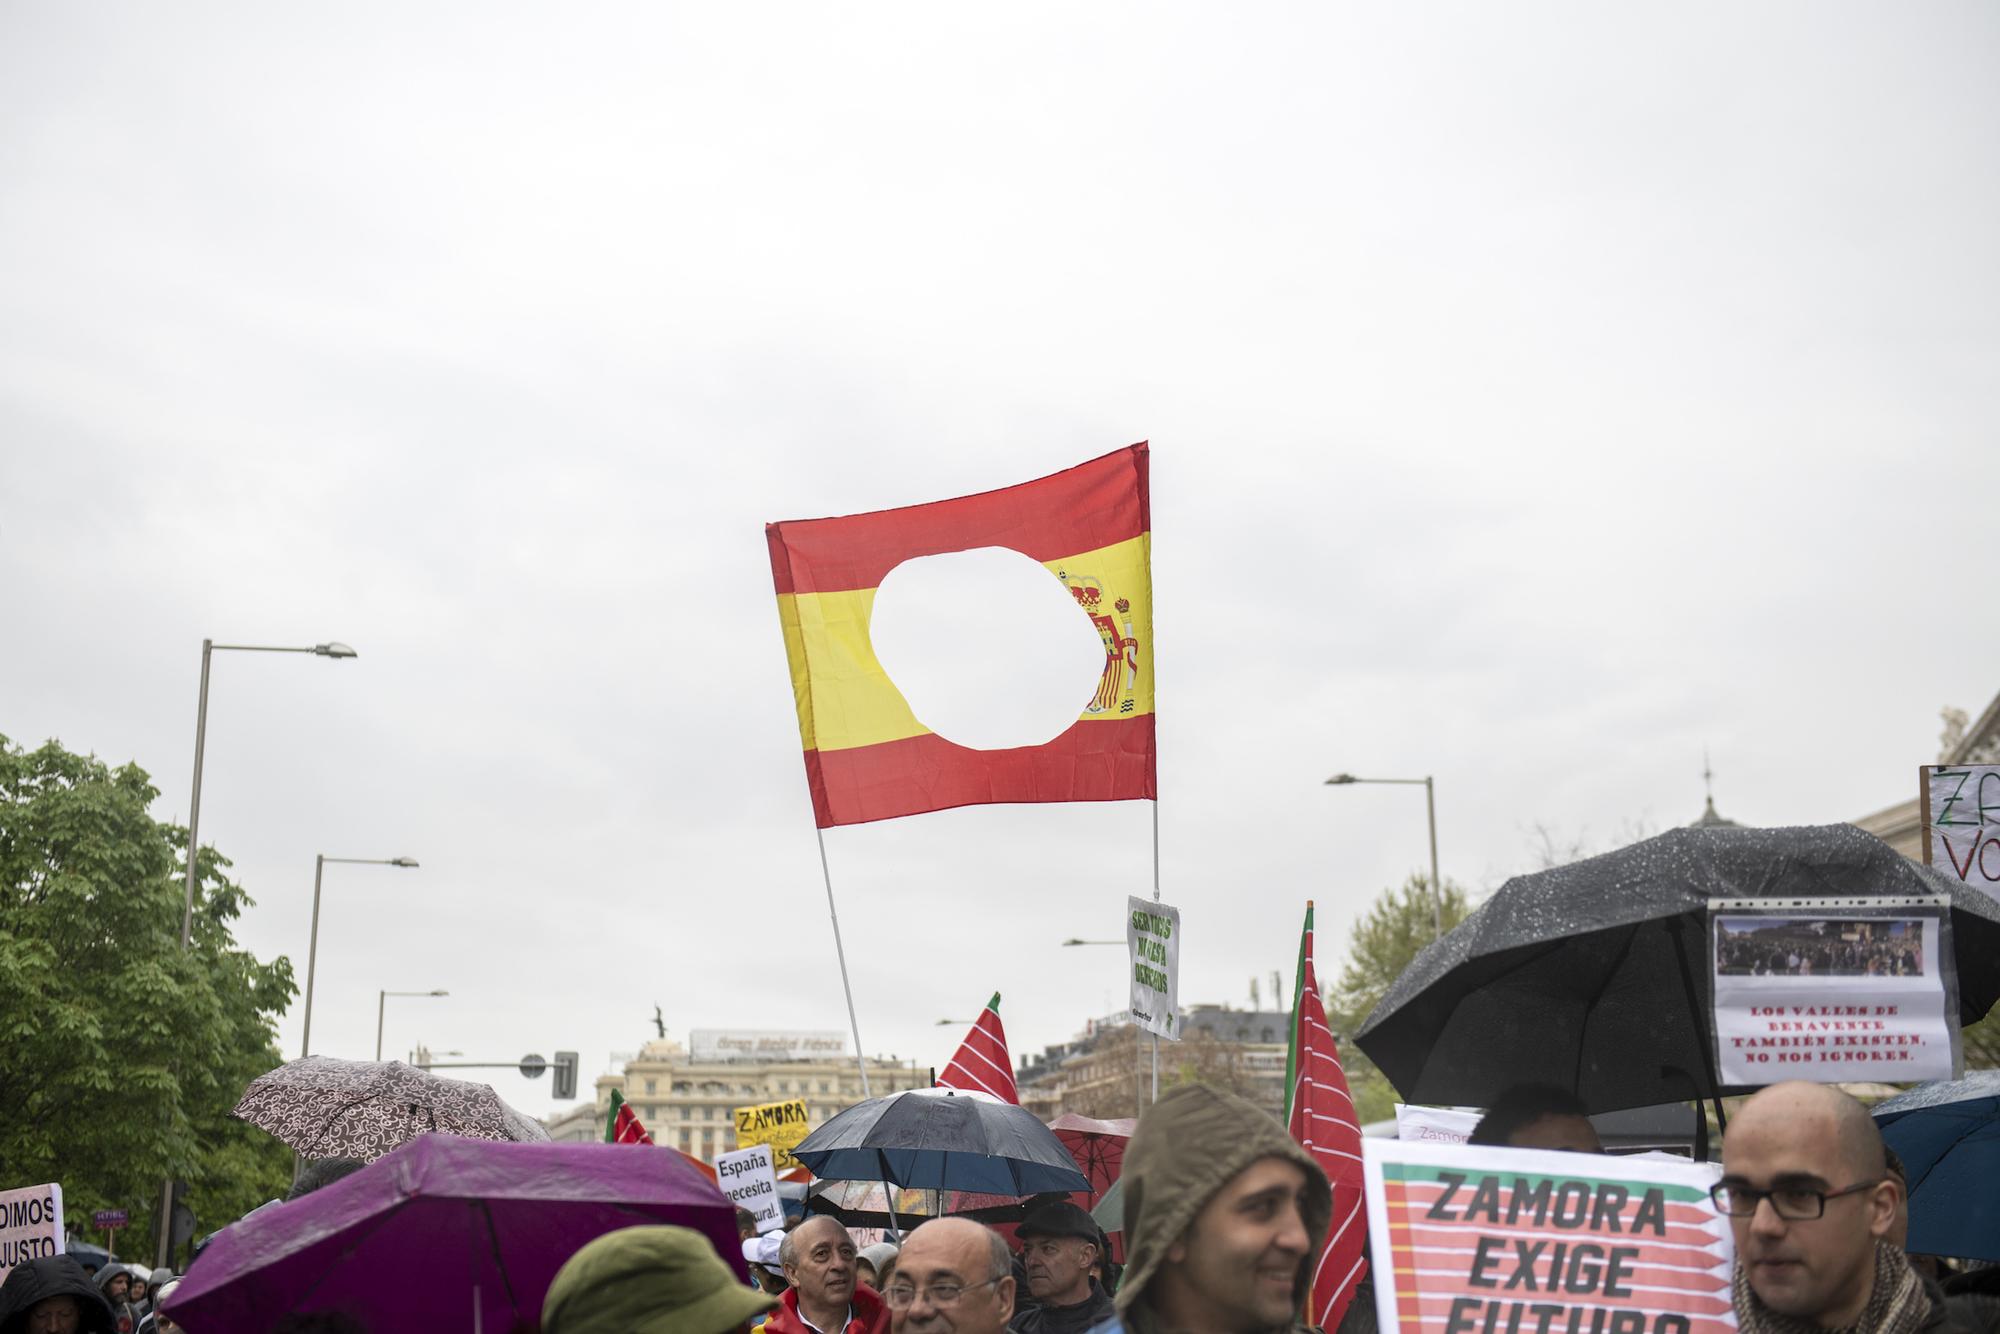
(1948,1136)
(942,1139)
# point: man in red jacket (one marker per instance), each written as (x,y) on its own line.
(825,1298)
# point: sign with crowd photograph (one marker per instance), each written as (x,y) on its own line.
(779,1124)
(1833,990)
(1961,809)
(1153,935)
(1529,1241)
(31,1224)
(746,1176)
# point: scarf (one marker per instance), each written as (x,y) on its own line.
(1897,1303)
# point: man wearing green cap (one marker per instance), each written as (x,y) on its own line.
(649,1280)
(1224,1214)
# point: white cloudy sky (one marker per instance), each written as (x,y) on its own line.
(1539,395)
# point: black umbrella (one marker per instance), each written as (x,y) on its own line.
(942,1139)
(1594,977)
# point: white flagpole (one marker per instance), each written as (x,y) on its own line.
(840,951)
(1156,899)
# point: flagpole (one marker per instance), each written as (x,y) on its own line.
(1156,899)
(840,952)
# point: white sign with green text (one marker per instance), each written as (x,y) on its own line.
(1153,934)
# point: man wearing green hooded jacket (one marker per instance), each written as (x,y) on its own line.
(1224,1215)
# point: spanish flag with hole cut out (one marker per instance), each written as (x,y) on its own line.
(867,755)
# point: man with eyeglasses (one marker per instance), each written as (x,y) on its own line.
(1806,1186)
(953,1276)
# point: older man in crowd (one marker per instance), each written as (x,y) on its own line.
(825,1297)
(953,1276)
(1806,1186)
(1059,1244)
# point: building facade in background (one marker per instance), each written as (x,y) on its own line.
(686,1094)
(1107,1069)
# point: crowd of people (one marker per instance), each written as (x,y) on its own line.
(1802,954)
(1225,1215)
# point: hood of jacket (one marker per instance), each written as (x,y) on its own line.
(52,1276)
(1188,1146)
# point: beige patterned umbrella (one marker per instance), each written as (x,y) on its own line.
(325,1107)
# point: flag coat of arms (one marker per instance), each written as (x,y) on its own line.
(867,755)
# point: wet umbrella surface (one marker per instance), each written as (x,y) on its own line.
(1594,976)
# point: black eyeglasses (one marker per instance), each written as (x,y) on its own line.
(940,1294)
(1794,1204)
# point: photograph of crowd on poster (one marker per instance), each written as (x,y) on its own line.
(1819,947)
(1833,996)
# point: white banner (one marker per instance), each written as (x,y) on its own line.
(1835,991)
(31,1224)
(1526,1240)
(746,1044)
(1153,935)
(1961,809)
(1436,1125)
(746,1177)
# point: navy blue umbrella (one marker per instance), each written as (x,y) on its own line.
(1948,1136)
(942,1139)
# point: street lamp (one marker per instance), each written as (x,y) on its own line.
(208,648)
(381,1003)
(1138,1097)
(312,950)
(942,1022)
(1074,941)
(1431,810)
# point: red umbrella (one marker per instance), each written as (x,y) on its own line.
(1099,1149)
(1097,1146)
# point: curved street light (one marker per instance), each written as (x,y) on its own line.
(1430,810)
(381,1004)
(312,950)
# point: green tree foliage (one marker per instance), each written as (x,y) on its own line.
(122,1052)
(1379,948)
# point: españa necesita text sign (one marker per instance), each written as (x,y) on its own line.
(1520,1241)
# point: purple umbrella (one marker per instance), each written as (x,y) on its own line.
(442,1234)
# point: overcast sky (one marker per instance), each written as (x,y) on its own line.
(1539,395)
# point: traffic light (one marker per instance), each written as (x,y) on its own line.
(565,1080)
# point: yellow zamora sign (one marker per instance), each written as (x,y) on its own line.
(779,1124)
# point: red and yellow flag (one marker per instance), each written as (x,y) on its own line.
(867,755)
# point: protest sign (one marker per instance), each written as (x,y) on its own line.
(1528,1241)
(779,1124)
(31,1224)
(1436,1125)
(1961,810)
(747,1178)
(1153,934)
(1833,990)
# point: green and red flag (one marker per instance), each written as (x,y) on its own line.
(621,1123)
(982,1064)
(1319,1113)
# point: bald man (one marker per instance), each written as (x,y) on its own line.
(1807,1189)
(825,1297)
(953,1276)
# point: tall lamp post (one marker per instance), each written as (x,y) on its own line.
(1431,810)
(381,1006)
(1138,1094)
(312,950)
(209,647)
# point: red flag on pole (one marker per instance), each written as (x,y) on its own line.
(621,1125)
(982,1064)
(1320,1115)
